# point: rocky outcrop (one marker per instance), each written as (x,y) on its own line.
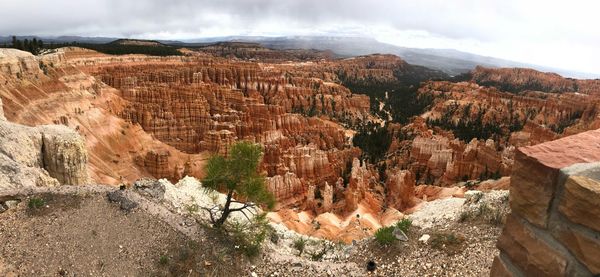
(287,188)
(18,64)
(401,190)
(554,198)
(438,160)
(41,156)
(362,182)
(64,155)
(207,104)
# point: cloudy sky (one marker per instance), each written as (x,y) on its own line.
(563,34)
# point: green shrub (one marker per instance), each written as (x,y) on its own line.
(248,237)
(385,235)
(36,203)
(163,260)
(464,215)
(299,244)
(404,225)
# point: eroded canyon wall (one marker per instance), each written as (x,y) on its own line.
(471,131)
(46,155)
(53,89)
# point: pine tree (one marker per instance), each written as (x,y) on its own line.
(237,175)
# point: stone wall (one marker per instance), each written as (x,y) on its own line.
(554,228)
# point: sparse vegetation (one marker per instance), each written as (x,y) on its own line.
(163,260)
(318,255)
(299,244)
(249,236)
(404,224)
(464,215)
(36,203)
(385,235)
(496,217)
(491,215)
(192,209)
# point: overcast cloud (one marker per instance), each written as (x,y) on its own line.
(564,34)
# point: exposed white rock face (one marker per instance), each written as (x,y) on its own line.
(437,213)
(41,156)
(21,158)
(64,154)
(188,196)
(15,62)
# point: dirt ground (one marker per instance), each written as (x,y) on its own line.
(77,231)
(75,235)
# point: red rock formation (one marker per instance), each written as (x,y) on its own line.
(401,190)
(197,103)
(441,156)
(156,163)
(287,188)
(65,94)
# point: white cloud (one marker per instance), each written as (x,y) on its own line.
(551,32)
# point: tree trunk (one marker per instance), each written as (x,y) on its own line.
(226,211)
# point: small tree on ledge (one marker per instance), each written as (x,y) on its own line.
(237,175)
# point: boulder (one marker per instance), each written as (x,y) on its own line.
(150,188)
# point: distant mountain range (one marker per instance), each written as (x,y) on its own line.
(450,61)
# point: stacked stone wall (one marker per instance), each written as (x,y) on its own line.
(554,226)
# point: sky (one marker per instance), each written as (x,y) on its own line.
(560,34)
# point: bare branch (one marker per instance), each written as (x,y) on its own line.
(210,213)
(245,215)
(246,205)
